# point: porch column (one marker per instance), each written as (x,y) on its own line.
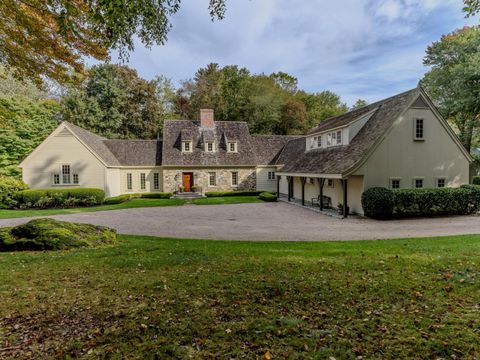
(345,197)
(304,180)
(289,182)
(321,183)
(278,186)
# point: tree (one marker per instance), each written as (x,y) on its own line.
(10,86)
(454,80)
(360,103)
(115,102)
(471,7)
(50,38)
(321,106)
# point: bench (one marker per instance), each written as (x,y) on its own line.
(326,201)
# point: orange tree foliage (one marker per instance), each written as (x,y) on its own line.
(50,38)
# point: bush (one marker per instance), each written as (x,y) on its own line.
(49,234)
(156,195)
(233,193)
(117,199)
(267,196)
(476,180)
(54,198)
(377,203)
(474,197)
(9,186)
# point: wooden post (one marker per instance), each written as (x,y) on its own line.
(278,186)
(321,183)
(304,180)
(345,197)
(289,182)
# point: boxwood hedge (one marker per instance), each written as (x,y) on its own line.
(382,203)
(55,198)
(267,196)
(126,197)
(233,193)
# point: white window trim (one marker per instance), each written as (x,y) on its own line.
(330,186)
(60,177)
(213,147)
(415,178)
(235,145)
(131,181)
(215,179)
(157,185)
(440,178)
(415,129)
(190,146)
(271,178)
(231,179)
(394,178)
(140,181)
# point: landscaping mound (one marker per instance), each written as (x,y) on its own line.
(49,234)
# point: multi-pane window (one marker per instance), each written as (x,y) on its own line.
(329,140)
(339,137)
(186,146)
(271,175)
(210,147)
(319,141)
(156,181)
(395,183)
(129,181)
(441,182)
(234,178)
(143,181)
(75,179)
(232,147)
(66,174)
(418,183)
(330,182)
(212,179)
(56,179)
(419,129)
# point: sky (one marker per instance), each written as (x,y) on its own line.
(367,49)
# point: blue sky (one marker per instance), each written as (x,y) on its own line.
(366,49)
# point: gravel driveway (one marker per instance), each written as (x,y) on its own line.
(264,221)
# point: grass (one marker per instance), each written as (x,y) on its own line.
(227,200)
(171,298)
(135,203)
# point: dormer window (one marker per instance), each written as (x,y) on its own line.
(319,141)
(339,137)
(232,146)
(186,146)
(210,146)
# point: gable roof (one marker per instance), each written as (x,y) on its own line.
(267,148)
(340,159)
(136,152)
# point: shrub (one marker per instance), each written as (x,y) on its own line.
(474,197)
(157,195)
(476,180)
(377,203)
(267,196)
(9,186)
(49,234)
(53,198)
(233,193)
(117,199)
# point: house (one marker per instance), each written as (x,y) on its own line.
(399,142)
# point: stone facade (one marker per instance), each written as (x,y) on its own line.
(173,179)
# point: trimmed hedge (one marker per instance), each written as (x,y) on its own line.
(382,203)
(267,196)
(127,197)
(156,195)
(476,180)
(49,234)
(9,186)
(233,193)
(54,198)
(117,199)
(377,203)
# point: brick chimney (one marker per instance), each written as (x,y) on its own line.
(206,118)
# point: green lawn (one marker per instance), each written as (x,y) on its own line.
(396,299)
(135,203)
(227,200)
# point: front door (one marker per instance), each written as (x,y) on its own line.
(187,182)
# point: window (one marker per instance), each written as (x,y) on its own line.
(441,182)
(234,178)
(212,179)
(334,138)
(187,146)
(271,175)
(66,174)
(143,181)
(75,179)
(156,181)
(319,141)
(329,140)
(330,183)
(418,183)
(339,137)
(210,147)
(395,183)
(419,129)
(232,147)
(56,179)
(129,181)
(312,144)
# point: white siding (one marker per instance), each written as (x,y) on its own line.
(262,179)
(136,179)
(112,187)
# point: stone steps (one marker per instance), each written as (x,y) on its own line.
(188,195)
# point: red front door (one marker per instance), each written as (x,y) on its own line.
(187,182)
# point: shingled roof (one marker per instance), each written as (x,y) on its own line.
(268,147)
(340,159)
(136,152)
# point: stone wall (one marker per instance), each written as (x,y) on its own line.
(172,179)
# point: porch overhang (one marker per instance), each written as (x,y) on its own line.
(317,176)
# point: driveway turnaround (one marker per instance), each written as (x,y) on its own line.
(263,221)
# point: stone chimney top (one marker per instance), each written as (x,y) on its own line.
(206,118)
